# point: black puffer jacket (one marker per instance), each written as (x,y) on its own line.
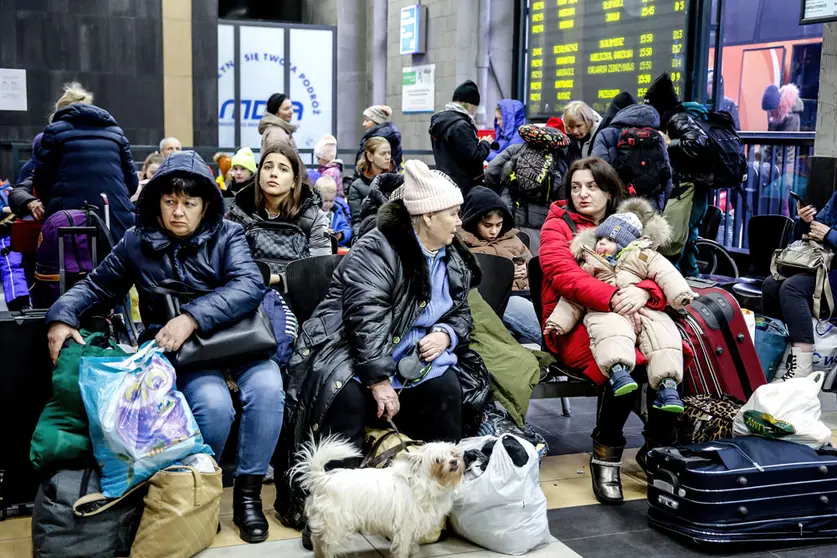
(376,295)
(358,191)
(689,143)
(279,242)
(456,149)
(380,191)
(215,258)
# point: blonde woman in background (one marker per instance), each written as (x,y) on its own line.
(376,159)
(83,154)
(581,123)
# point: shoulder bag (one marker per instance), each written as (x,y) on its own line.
(243,341)
(806,256)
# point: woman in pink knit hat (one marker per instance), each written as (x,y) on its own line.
(377,121)
(386,342)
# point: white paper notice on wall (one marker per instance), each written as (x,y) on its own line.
(12,89)
(418,88)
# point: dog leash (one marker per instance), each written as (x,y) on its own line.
(397,432)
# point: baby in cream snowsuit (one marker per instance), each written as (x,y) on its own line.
(618,253)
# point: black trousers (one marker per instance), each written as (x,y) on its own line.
(792,302)
(613,413)
(431,411)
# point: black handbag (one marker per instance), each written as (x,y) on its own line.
(246,340)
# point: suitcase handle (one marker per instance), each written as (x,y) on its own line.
(666,481)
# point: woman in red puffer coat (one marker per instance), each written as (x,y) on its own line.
(594,192)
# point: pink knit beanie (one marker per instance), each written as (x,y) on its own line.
(428,191)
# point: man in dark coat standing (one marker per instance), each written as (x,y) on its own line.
(458,151)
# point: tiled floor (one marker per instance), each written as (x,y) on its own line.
(581,527)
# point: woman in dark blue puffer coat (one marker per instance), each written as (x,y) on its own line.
(181,234)
(83,154)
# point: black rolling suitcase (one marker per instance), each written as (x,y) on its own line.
(25,388)
(744,490)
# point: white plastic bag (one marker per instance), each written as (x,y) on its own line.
(504,509)
(788,410)
(825,346)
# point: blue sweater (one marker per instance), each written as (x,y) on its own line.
(439,305)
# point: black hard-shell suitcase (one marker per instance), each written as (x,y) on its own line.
(744,490)
(25,388)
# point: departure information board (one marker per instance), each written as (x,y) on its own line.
(590,50)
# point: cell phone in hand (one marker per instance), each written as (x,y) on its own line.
(798,198)
(519,260)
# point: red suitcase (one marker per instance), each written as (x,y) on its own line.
(725,358)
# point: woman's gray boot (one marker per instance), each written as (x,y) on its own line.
(605,464)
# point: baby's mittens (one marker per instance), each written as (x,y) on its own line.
(684,299)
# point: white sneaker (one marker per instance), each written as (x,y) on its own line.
(797,364)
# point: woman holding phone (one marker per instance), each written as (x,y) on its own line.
(791,300)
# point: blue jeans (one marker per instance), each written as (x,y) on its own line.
(263,405)
(521,320)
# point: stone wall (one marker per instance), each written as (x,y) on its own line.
(113,48)
(452,47)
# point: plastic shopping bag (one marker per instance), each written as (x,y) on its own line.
(825,346)
(502,507)
(771,341)
(139,422)
(788,411)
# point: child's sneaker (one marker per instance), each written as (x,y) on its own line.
(620,380)
(668,399)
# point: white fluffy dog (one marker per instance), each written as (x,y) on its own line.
(404,502)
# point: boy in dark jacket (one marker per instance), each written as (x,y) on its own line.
(458,152)
(488,228)
(688,145)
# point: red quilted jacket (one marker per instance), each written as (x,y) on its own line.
(563,277)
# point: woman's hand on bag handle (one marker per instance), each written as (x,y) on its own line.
(806,213)
(176,332)
(58,333)
(629,300)
(818,231)
(386,398)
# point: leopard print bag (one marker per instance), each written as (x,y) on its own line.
(706,418)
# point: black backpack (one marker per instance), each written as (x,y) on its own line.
(531,177)
(727,165)
(536,175)
(641,161)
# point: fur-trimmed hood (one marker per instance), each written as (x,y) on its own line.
(395,224)
(656,232)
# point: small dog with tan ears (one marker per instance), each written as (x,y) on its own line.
(404,502)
